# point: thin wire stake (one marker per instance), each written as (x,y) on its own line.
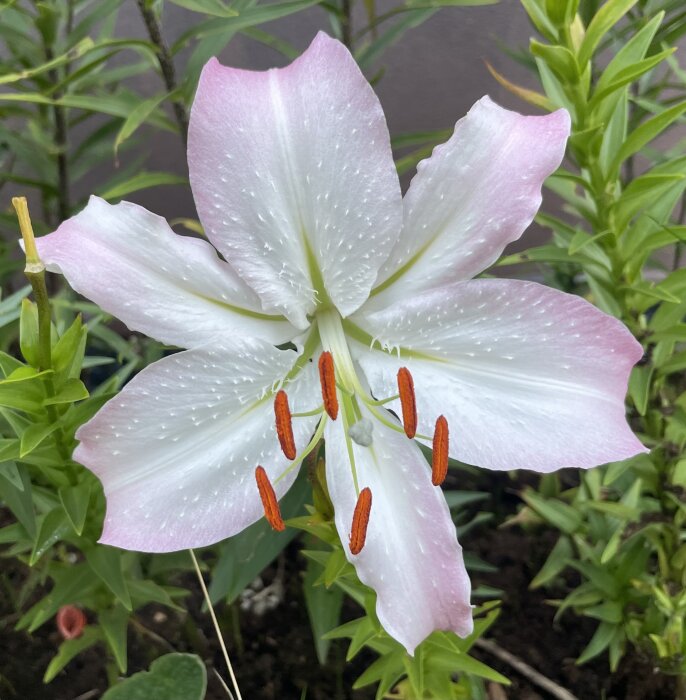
(216,625)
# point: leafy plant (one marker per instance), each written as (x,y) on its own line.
(619,241)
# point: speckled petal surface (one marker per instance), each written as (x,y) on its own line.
(293,158)
(527,376)
(474,195)
(177,449)
(170,287)
(411,556)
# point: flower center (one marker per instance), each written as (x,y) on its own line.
(345,397)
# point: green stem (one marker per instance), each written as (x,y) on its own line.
(35,273)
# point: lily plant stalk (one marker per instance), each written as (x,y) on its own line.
(338,307)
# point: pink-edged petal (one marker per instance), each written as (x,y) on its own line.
(170,287)
(177,449)
(290,159)
(475,194)
(527,376)
(411,556)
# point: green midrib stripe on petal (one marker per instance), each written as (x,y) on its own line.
(356,333)
(322,296)
(242,311)
(402,270)
(308,350)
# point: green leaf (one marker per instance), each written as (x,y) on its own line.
(142,181)
(53,527)
(323,608)
(645,133)
(68,353)
(540,19)
(609,611)
(28,331)
(171,677)
(642,192)
(599,642)
(468,664)
(557,560)
(10,471)
(653,291)
(106,563)
(556,512)
(627,75)
(608,15)
(143,592)
(639,387)
(34,435)
(75,52)
(137,117)
(72,390)
(560,60)
(75,500)
(18,497)
(69,649)
(216,8)
(114,623)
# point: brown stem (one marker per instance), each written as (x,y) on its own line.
(525,670)
(61,145)
(166,66)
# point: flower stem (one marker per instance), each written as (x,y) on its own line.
(35,273)
(216,625)
(166,66)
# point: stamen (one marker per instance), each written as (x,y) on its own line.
(327,377)
(358,533)
(439,463)
(407,401)
(284,425)
(269,501)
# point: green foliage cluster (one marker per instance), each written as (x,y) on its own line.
(619,241)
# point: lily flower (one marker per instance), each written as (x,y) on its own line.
(395,343)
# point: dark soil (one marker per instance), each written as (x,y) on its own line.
(274,656)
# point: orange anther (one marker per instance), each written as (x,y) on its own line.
(358,533)
(327,378)
(284,425)
(439,462)
(269,500)
(407,401)
(70,621)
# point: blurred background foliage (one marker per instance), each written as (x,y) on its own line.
(78,104)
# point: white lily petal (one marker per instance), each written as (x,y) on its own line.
(177,449)
(475,194)
(293,177)
(527,376)
(411,556)
(170,287)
